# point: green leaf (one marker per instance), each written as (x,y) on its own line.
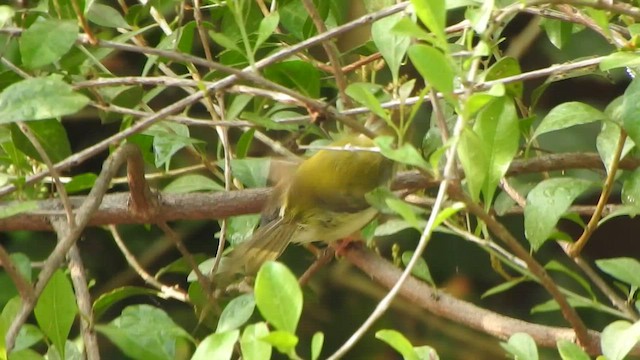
(192,183)
(521,346)
(80,182)
(106,16)
(420,270)
(566,115)
(620,59)
(284,341)
(406,154)
(145,332)
(618,338)
(506,67)
(39,99)
(240,228)
(71,352)
(571,351)
(238,104)
(392,46)
(217,346)
(23,265)
(631,189)
(130,346)
(293,17)
(546,203)
(296,74)
(503,287)
(625,269)
(236,313)
(267,26)
(4,326)
(474,160)
(47,41)
(56,309)
(432,13)
(363,93)
(50,134)
(600,17)
(406,27)
(574,302)
(398,342)
(28,336)
(253,348)
(408,212)
(26,354)
(168,139)
(497,128)
(252,172)
(630,112)
(426,353)
(557,266)
(278,296)
(607,141)
(480,17)
(316,345)
(225,41)
(6,15)
(394,226)
(624,210)
(558,32)
(244,143)
(433,66)
(106,300)
(180,266)
(124,96)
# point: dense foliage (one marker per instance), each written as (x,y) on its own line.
(507,230)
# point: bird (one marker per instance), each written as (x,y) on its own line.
(324,200)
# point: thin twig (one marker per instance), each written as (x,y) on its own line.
(505,235)
(332,52)
(441,304)
(577,247)
(22,285)
(83,298)
(165,290)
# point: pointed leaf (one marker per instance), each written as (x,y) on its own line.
(56,309)
(217,346)
(47,41)
(278,296)
(253,348)
(566,115)
(39,99)
(546,203)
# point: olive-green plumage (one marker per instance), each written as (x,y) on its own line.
(324,200)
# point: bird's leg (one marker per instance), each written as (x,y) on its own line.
(342,245)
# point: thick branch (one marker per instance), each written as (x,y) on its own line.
(206,206)
(461,312)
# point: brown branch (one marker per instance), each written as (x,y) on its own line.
(201,206)
(536,269)
(83,299)
(171,207)
(165,290)
(461,312)
(332,52)
(83,214)
(576,248)
(22,285)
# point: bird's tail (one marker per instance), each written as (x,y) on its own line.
(267,243)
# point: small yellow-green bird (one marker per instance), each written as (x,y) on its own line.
(324,200)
